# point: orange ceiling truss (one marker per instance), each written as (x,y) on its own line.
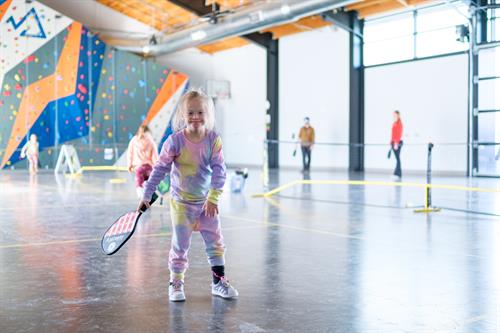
(224,44)
(164,16)
(306,24)
(230,4)
(159,14)
(367,8)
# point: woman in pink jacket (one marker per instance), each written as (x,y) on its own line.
(141,156)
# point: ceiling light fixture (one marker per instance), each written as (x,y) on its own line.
(198,35)
(285,9)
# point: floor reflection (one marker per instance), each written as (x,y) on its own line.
(313,259)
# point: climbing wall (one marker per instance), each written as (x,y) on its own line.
(61,82)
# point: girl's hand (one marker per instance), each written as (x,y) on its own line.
(130,168)
(210,209)
(143,203)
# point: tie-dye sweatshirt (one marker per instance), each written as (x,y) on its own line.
(197,170)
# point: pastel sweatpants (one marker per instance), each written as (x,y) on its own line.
(142,174)
(187,218)
(33,161)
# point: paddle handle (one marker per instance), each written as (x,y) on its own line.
(143,207)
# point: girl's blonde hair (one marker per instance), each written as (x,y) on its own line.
(208,104)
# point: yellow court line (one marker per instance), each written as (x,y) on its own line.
(63,206)
(324,232)
(73,241)
(102,168)
(164,234)
(381,183)
(276,204)
(118,180)
(287,226)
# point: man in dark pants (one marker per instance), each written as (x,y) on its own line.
(306,137)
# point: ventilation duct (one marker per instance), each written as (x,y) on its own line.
(253,18)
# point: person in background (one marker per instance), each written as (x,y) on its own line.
(142,154)
(306,137)
(30,150)
(397,142)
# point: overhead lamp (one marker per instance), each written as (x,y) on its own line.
(146,49)
(285,9)
(198,35)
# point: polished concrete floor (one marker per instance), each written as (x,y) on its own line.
(316,258)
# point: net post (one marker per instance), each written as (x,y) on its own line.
(428,194)
(429,173)
(265,166)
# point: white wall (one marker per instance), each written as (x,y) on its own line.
(242,118)
(314,82)
(199,66)
(432,98)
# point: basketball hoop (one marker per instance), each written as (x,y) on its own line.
(219,89)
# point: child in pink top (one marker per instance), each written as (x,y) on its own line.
(142,154)
(193,158)
(30,150)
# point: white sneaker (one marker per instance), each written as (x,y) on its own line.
(224,289)
(176,291)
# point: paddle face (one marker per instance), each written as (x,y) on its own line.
(119,232)
(123,228)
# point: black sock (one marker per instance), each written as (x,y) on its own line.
(217,273)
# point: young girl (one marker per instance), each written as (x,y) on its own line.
(30,150)
(193,156)
(141,156)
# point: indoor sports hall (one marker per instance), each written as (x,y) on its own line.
(250,166)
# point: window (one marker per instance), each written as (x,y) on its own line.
(422,33)
(489,143)
(388,28)
(441,17)
(439,42)
(488,131)
(437,30)
(493,29)
(389,39)
(489,63)
(391,50)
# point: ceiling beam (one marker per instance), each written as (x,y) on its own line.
(403,2)
(344,20)
(364,4)
(195,6)
(262,39)
(198,7)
